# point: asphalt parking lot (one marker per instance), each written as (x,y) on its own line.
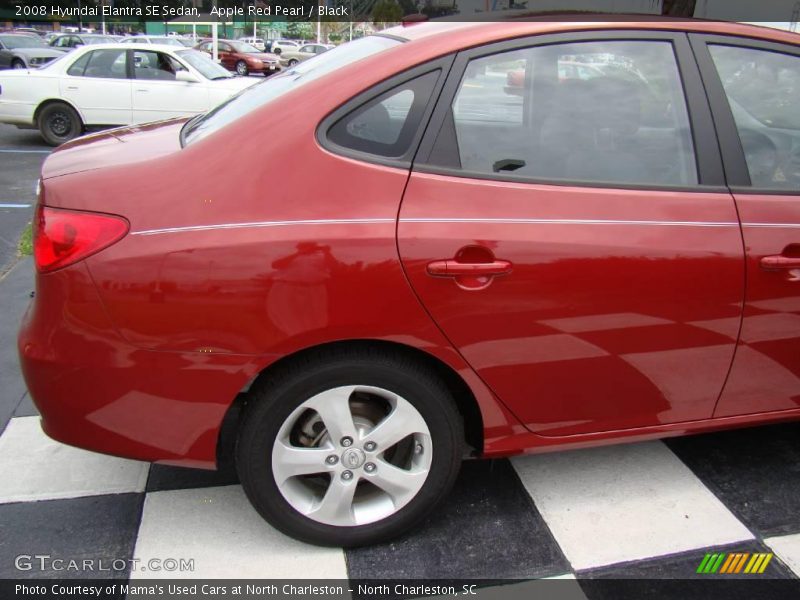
(21,155)
(646,510)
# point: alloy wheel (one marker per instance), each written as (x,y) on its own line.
(352,455)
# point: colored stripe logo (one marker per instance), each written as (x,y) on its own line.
(734,563)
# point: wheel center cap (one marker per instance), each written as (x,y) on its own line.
(352,458)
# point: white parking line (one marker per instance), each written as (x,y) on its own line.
(15,205)
(6,151)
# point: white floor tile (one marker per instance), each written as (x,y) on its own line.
(787,548)
(226,537)
(34,467)
(625,502)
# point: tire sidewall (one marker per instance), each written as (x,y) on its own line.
(264,420)
(44,129)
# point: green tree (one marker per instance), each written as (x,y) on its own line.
(386,11)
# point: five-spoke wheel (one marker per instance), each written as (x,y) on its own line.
(349,449)
(352,455)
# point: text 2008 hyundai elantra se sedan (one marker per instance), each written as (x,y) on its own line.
(445,240)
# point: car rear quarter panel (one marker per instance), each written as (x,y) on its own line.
(21,93)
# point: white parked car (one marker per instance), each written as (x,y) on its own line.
(153,39)
(256,42)
(279,46)
(115,84)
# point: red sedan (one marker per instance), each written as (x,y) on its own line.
(242,58)
(450,265)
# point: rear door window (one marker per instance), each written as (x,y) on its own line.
(612,112)
(107,64)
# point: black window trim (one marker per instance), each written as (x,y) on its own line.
(706,149)
(733,157)
(405,161)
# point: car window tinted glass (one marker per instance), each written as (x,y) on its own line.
(260,94)
(109,64)
(79,66)
(207,67)
(21,41)
(763,91)
(610,112)
(386,125)
(154,66)
(244,48)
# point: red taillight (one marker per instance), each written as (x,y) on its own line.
(63,237)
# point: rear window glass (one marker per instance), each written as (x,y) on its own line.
(386,125)
(260,94)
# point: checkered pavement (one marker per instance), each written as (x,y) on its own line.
(644,510)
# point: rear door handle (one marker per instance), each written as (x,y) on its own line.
(451,268)
(773,263)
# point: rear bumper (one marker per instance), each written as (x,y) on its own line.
(97,392)
(266,69)
(16,113)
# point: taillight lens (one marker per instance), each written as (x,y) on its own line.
(63,237)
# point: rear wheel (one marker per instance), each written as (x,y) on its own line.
(59,123)
(241,68)
(293,62)
(17,64)
(350,449)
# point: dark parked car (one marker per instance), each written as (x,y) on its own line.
(446,266)
(19,51)
(242,58)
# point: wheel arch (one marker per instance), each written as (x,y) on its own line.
(463,396)
(45,103)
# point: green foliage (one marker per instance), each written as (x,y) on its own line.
(25,244)
(387,11)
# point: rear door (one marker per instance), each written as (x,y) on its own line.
(156,93)
(570,232)
(98,84)
(755,89)
(226,56)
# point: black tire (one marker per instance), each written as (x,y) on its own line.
(270,404)
(59,123)
(241,68)
(293,62)
(18,64)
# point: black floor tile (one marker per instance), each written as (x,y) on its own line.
(676,576)
(685,564)
(755,472)
(487,528)
(163,477)
(98,528)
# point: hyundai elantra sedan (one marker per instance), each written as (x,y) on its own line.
(491,239)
